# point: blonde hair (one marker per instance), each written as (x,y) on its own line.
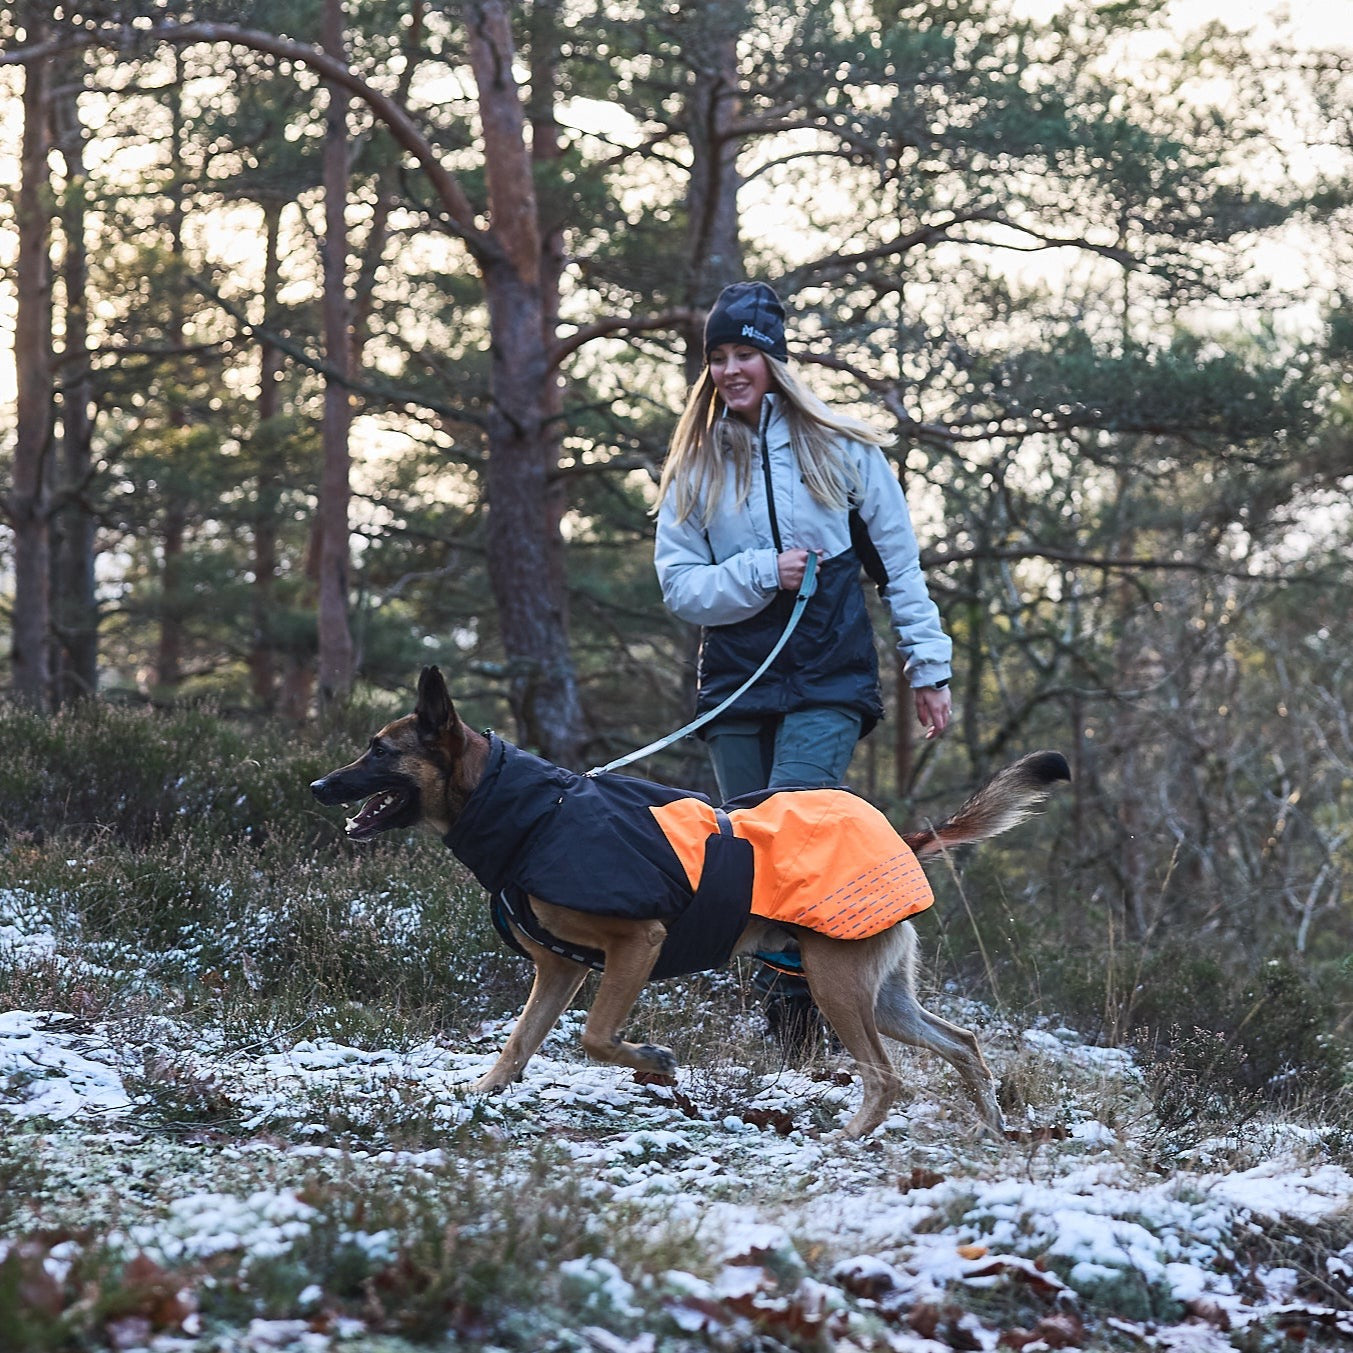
(706,444)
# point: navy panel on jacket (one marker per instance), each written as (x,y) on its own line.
(829,659)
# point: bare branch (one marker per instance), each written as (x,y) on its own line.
(939,558)
(379,393)
(621,324)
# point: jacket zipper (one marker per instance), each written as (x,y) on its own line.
(765,469)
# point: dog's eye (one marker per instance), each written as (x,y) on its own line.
(376,748)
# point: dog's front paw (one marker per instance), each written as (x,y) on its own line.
(662,1060)
(492,1083)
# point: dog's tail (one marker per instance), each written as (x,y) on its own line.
(1003,802)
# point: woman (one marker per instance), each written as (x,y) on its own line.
(759,474)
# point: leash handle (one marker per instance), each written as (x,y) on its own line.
(806,589)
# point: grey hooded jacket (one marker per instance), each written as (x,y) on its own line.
(727,573)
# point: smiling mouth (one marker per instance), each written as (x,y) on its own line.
(378,813)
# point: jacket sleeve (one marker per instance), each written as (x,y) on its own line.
(698,589)
(926,648)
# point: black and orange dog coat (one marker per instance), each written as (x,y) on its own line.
(613,845)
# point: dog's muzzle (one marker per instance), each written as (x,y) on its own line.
(326,792)
(385,804)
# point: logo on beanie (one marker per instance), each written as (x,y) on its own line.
(752,332)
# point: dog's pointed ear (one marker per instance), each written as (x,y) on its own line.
(435,713)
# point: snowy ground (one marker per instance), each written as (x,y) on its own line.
(780,1233)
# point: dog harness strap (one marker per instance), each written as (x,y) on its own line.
(806,589)
(500,913)
(511,907)
(704,936)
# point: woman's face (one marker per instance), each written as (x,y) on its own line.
(741,375)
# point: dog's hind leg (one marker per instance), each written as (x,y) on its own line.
(844,976)
(556,982)
(901,1016)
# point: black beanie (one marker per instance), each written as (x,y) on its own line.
(751,313)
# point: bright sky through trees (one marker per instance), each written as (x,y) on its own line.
(1322,22)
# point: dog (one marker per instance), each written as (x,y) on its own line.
(492,803)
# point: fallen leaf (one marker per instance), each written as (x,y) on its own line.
(1062,1330)
(920,1178)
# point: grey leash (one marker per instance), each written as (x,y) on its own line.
(806,589)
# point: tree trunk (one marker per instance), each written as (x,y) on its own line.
(169,646)
(713,246)
(335,636)
(1132,671)
(521,531)
(298,675)
(173,602)
(547,147)
(523,534)
(390,193)
(75,607)
(262,603)
(28,499)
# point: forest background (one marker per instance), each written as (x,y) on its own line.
(348,337)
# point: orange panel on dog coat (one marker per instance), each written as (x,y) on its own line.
(803,840)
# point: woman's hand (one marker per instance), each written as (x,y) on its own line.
(793,564)
(934,704)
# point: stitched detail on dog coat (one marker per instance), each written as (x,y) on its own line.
(801,839)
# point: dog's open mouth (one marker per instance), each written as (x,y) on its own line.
(379,813)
